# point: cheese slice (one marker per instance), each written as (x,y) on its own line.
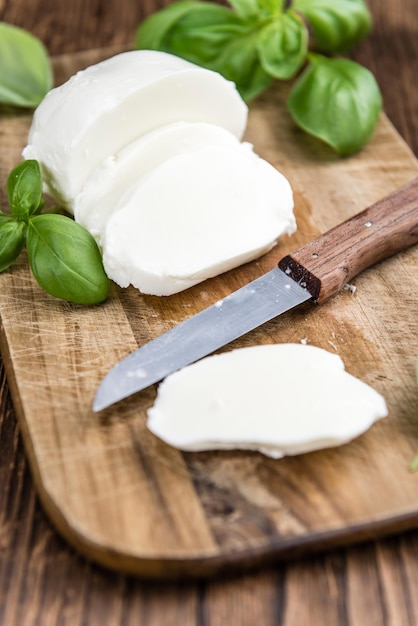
(106,106)
(194,216)
(105,190)
(281,399)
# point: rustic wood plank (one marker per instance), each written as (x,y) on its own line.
(391,54)
(95,24)
(58,588)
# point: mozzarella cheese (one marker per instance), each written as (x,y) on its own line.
(103,108)
(278,399)
(196,215)
(104,191)
(145,149)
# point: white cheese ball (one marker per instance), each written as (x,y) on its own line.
(106,106)
(279,399)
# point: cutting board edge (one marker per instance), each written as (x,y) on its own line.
(205,565)
(210,566)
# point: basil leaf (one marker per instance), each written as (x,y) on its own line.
(338,101)
(65,259)
(12,240)
(209,35)
(24,189)
(283,45)
(336,24)
(152,31)
(26,74)
(240,63)
(201,33)
(258,9)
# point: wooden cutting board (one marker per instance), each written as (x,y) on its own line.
(130,502)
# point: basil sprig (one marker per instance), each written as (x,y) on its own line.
(26,74)
(63,256)
(254,42)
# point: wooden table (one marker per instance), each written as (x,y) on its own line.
(43,581)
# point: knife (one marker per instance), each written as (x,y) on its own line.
(316,271)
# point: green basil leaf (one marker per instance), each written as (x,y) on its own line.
(193,30)
(283,45)
(240,63)
(204,30)
(212,36)
(151,32)
(26,74)
(66,260)
(24,189)
(338,101)
(336,24)
(259,9)
(12,240)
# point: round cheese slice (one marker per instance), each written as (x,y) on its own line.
(279,399)
(106,106)
(194,216)
(106,188)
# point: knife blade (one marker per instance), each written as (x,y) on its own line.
(316,271)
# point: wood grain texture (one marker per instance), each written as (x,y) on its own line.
(134,504)
(42,581)
(327,263)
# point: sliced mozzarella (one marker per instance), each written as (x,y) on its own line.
(116,175)
(278,399)
(106,106)
(194,216)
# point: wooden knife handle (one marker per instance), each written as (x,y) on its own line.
(327,263)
